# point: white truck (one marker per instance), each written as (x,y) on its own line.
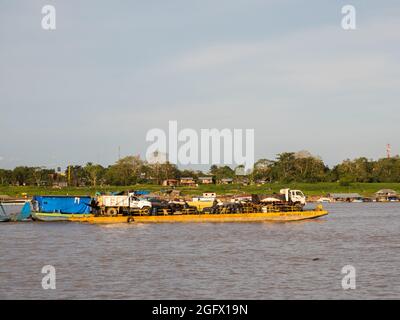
(294,196)
(116,204)
(287,195)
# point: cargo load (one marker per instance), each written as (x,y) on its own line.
(62,204)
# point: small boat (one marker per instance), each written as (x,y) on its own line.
(15,210)
(206,217)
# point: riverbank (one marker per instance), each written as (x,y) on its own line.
(310,189)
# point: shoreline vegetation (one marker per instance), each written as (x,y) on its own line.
(311,190)
(296,170)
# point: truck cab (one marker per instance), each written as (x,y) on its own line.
(137,203)
(294,196)
(298,196)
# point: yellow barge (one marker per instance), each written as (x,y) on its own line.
(231,217)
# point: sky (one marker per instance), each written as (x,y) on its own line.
(113,70)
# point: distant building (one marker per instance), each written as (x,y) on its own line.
(261,181)
(243,180)
(205,180)
(209,194)
(187,181)
(386,195)
(345,197)
(60,184)
(226,181)
(170,183)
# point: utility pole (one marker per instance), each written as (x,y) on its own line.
(69,175)
(119,152)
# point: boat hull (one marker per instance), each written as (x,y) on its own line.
(4,219)
(233,217)
(50,217)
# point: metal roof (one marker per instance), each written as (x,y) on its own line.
(386,191)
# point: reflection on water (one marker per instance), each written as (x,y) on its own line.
(296,260)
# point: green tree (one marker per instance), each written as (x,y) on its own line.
(262,170)
(298,167)
(125,171)
(220,172)
(284,169)
(94,172)
(23,175)
(161,171)
(76,175)
(357,170)
(386,170)
(5,177)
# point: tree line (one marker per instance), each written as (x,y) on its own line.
(287,167)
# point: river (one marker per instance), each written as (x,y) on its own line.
(294,260)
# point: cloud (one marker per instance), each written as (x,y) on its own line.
(1,158)
(301,83)
(314,57)
(217,56)
(325,76)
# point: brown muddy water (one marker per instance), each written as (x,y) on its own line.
(295,260)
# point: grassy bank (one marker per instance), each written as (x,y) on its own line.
(310,189)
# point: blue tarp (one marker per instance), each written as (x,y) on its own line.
(63,204)
(141,192)
(25,212)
